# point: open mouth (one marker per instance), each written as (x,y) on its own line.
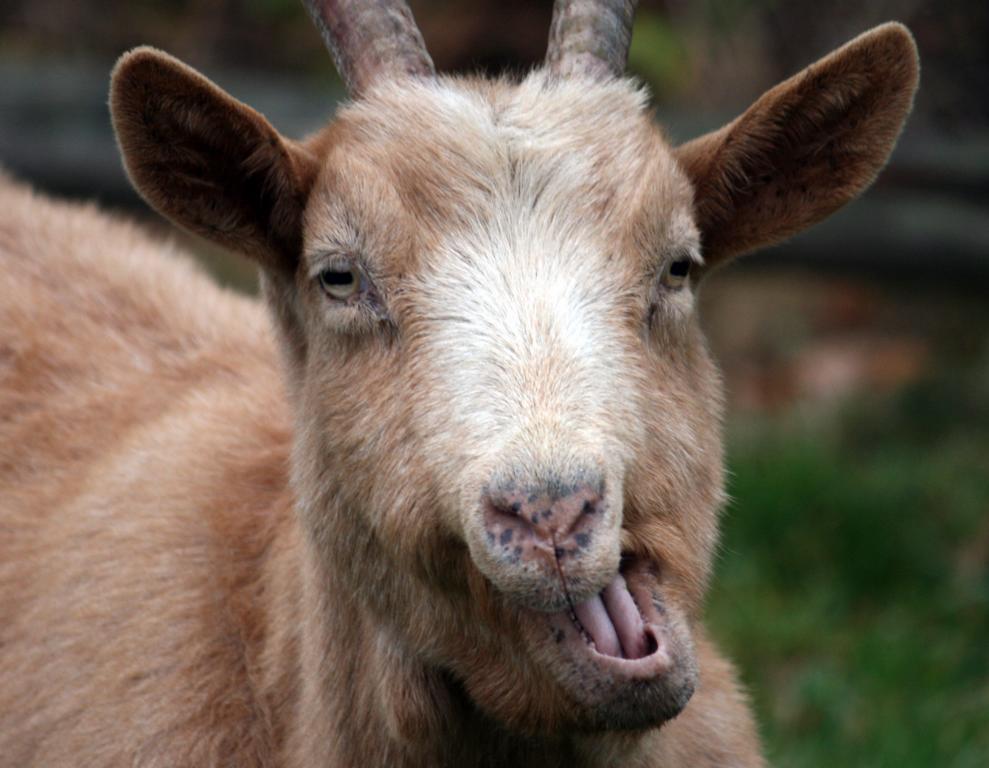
(612,624)
(624,656)
(621,625)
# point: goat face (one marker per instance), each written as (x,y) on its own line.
(517,377)
(508,457)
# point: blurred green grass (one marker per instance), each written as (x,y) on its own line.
(853,585)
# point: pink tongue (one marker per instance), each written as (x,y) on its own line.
(613,622)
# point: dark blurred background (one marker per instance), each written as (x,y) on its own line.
(853,581)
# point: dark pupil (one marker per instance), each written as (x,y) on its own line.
(680,268)
(332,277)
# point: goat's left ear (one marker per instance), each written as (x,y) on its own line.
(805,148)
(208,162)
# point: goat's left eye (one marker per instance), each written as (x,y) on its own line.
(677,273)
(341,282)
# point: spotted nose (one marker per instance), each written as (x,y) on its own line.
(545,522)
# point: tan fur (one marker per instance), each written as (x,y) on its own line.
(207,561)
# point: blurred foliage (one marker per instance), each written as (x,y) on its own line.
(853,587)
(658,55)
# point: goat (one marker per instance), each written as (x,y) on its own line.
(453,498)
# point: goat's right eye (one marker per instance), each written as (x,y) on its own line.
(341,282)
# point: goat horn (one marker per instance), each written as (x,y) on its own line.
(590,37)
(371,39)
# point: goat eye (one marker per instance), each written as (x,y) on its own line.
(677,273)
(340,282)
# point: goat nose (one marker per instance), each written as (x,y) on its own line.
(551,519)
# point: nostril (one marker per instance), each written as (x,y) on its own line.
(578,512)
(503,505)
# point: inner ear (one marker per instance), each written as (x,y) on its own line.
(805,148)
(208,162)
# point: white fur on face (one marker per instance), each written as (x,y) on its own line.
(522,307)
(526,349)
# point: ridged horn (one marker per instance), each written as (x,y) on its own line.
(370,40)
(590,37)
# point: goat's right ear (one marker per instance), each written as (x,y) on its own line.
(208,162)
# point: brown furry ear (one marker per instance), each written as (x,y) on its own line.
(208,162)
(805,148)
